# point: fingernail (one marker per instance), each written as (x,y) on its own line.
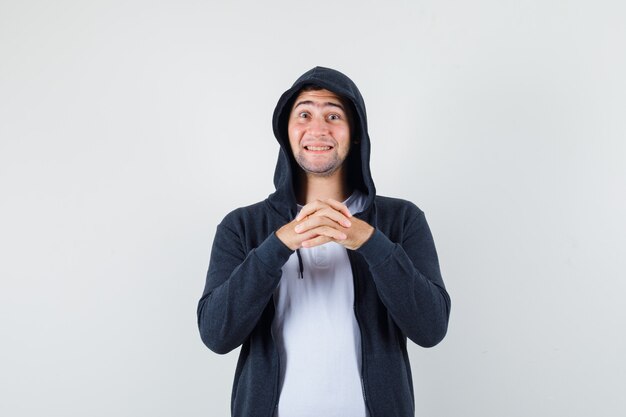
(298,228)
(346,223)
(344,237)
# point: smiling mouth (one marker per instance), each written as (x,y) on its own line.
(318,148)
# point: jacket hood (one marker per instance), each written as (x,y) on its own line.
(359,176)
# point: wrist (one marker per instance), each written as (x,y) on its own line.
(366,236)
(283,235)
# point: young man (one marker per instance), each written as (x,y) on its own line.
(322,282)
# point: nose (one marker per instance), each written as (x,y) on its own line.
(318,126)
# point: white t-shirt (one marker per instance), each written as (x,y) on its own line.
(317,335)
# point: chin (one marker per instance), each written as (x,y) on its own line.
(320,172)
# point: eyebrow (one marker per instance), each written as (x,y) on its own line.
(328,103)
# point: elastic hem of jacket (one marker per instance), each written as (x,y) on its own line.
(376,249)
(273,253)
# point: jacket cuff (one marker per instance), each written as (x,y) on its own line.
(376,249)
(273,253)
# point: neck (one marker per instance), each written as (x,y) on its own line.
(314,187)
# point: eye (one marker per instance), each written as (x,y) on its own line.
(334,116)
(303,114)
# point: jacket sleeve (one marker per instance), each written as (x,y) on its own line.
(409,282)
(238,287)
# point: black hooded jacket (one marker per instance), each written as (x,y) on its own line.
(399,291)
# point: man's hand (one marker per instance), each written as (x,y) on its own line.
(325,221)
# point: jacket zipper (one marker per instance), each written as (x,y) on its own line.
(358,322)
(276,393)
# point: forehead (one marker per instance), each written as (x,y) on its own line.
(318,98)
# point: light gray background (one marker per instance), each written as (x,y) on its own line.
(130,128)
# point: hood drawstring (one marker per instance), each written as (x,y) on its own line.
(300,264)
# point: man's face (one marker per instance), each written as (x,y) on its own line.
(319,132)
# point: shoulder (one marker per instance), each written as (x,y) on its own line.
(397,207)
(399,219)
(242,215)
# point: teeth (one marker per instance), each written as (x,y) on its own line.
(318,148)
